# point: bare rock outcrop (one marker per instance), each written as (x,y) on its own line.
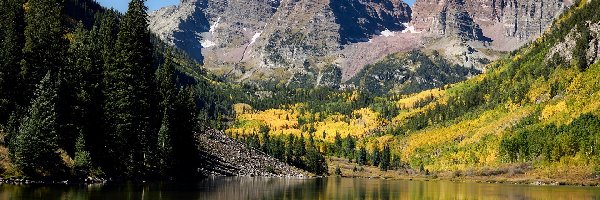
(508,23)
(294,41)
(565,48)
(263,39)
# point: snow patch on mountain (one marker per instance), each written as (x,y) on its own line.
(256,36)
(388,33)
(208,43)
(214,26)
(409,29)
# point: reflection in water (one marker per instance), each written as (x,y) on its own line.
(267,188)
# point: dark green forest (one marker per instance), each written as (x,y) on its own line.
(86,91)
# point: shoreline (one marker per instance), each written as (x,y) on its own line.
(468,179)
(463,179)
(517,174)
(495,180)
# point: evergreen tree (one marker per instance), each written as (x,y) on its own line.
(37,141)
(277,149)
(289,149)
(384,165)
(74,94)
(299,151)
(266,144)
(581,46)
(177,149)
(44,42)
(349,146)
(362,156)
(375,156)
(168,93)
(80,98)
(166,81)
(185,148)
(83,162)
(315,162)
(254,141)
(338,171)
(338,145)
(107,37)
(165,148)
(89,93)
(129,86)
(106,148)
(396,162)
(11,44)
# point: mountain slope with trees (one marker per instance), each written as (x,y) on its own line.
(534,114)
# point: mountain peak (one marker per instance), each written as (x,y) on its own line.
(273,40)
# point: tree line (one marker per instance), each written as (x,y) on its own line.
(295,151)
(552,143)
(309,155)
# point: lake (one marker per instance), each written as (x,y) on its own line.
(233,188)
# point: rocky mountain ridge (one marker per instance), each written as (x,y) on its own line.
(283,41)
(506,24)
(267,38)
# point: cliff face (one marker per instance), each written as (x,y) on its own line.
(195,25)
(273,38)
(288,41)
(361,19)
(499,20)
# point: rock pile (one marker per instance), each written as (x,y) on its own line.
(224,156)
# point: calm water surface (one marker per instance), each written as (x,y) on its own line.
(329,188)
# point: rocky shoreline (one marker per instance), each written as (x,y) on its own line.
(22,181)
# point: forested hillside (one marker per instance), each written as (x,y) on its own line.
(411,72)
(535,113)
(89,92)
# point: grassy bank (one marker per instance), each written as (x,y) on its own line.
(509,174)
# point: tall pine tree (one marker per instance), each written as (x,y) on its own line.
(185,148)
(362,156)
(176,142)
(130,96)
(36,144)
(384,165)
(168,93)
(11,44)
(106,147)
(73,92)
(375,156)
(45,43)
(289,149)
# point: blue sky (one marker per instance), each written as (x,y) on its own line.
(121,5)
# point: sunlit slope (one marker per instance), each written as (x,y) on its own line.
(291,120)
(539,106)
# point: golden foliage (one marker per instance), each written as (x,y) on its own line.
(410,101)
(363,121)
(551,110)
(242,108)
(285,121)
